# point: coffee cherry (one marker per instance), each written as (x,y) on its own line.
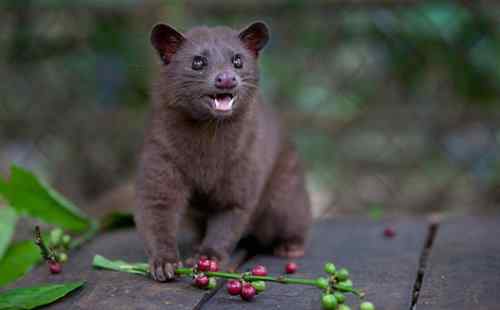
(247,292)
(55,267)
(346,283)
(212,283)
(330,268)
(389,232)
(322,282)
(214,267)
(66,239)
(233,287)
(62,257)
(291,267)
(259,286)
(343,307)
(55,236)
(340,297)
(366,306)
(201,281)
(329,302)
(203,265)
(259,270)
(342,274)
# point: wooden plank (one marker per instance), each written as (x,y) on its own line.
(385,269)
(115,290)
(463,269)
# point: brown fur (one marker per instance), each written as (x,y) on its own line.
(235,173)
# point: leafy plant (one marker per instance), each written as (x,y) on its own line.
(7,224)
(36,296)
(27,195)
(19,259)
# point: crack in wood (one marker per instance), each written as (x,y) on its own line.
(422,263)
(207,296)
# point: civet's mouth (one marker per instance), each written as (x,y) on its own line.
(222,102)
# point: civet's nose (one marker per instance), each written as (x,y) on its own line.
(226,80)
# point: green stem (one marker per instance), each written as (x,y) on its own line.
(249,278)
(349,289)
(225,275)
(281,279)
(184,271)
(46,253)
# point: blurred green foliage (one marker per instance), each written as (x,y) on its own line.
(372,93)
(462,42)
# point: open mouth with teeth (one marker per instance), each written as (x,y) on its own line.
(222,102)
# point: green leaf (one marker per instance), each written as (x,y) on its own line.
(36,296)
(19,259)
(28,195)
(119,265)
(8,220)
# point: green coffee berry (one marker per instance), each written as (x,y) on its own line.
(366,306)
(62,257)
(346,283)
(322,282)
(343,307)
(330,268)
(259,286)
(340,297)
(342,274)
(66,239)
(212,283)
(328,302)
(55,236)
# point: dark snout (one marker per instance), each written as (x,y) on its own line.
(226,80)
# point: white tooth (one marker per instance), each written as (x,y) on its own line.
(224,105)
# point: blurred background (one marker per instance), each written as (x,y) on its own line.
(394,105)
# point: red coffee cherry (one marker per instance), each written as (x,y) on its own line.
(389,232)
(55,267)
(233,287)
(291,267)
(201,281)
(259,270)
(247,292)
(203,265)
(214,267)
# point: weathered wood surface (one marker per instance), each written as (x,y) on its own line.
(115,290)
(463,269)
(385,269)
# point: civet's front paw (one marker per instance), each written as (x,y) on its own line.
(162,269)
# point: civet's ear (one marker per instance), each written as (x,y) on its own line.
(255,37)
(166,40)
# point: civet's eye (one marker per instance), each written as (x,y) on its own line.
(237,61)
(199,62)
